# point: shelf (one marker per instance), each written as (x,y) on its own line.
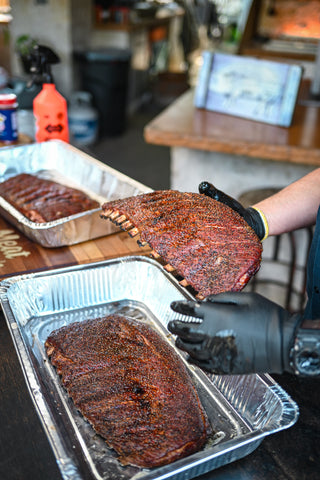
(282,34)
(137,25)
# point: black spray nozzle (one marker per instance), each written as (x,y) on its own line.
(42,58)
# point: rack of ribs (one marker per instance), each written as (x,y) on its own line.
(42,200)
(200,239)
(134,389)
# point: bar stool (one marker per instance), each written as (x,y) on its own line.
(282,276)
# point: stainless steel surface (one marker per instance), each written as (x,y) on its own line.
(242,409)
(63,163)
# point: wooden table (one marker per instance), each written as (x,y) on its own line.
(19,255)
(184,125)
(235,153)
(23,139)
(25,453)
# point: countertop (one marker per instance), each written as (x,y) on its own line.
(181,124)
(25,452)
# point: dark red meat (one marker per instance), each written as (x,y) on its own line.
(43,200)
(206,242)
(132,387)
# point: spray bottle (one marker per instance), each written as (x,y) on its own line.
(49,106)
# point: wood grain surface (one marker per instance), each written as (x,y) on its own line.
(25,453)
(183,125)
(19,255)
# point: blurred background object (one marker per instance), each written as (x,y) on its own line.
(83,119)
(164,41)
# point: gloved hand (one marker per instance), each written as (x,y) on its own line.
(253,216)
(240,333)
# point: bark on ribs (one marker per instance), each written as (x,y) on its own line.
(42,200)
(132,387)
(206,242)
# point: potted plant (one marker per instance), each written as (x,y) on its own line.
(24,45)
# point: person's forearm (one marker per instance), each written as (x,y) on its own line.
(293,207)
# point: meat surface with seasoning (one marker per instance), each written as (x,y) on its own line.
(42,200)
(133,388)
(204,241)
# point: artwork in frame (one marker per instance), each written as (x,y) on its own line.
(248,87)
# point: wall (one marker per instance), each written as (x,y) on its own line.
(58,24)
(67,26)
(5,47)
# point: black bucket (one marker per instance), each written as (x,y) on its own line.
(105,74)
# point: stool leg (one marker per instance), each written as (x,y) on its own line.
(276,247)
(309,232)
(292,268)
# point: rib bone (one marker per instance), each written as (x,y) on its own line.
(120,220)
(114,215)
(155,254)
(107,213)
(133,232)
(207,243)
(126,225)
(169,268)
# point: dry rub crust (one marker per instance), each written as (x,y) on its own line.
(42,200)
(205,242)
(133,388)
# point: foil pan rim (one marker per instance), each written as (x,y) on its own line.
(235,390)
(97,179)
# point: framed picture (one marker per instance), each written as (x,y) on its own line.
(248,87)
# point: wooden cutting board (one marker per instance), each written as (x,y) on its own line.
(20,255)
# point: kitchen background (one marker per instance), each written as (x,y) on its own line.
(160,41)
(137,57)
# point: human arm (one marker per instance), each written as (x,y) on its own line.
(293,207)
(259,327)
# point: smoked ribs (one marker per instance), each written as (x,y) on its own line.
(133,388)
(42,200)
(204,241)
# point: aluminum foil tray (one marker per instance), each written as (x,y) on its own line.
(59,161)
(241,409)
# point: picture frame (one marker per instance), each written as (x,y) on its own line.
(248,87)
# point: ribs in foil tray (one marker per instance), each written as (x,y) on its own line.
(65,164)
(242,410)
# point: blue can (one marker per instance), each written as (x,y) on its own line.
(8,117)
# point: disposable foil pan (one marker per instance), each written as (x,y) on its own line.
(61,162)
(241,409)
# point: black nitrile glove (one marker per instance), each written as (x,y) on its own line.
(254,217)
(240,333)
